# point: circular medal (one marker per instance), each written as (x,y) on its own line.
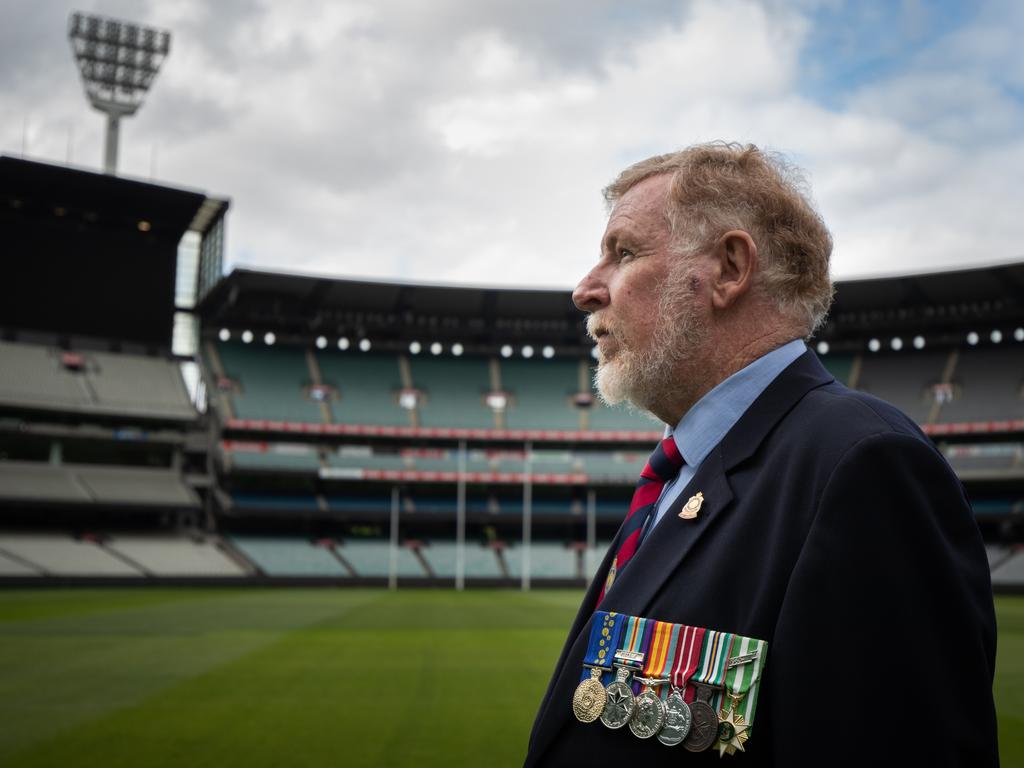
(704,728)
(620,705)
(589,700)
(650,715)
(677,720)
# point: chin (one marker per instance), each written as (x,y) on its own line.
(616,386)
(609,381)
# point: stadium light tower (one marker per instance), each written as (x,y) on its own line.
(118,61)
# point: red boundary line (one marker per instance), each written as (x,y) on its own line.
(450,433)
(552,435)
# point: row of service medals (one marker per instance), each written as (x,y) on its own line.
(663,659)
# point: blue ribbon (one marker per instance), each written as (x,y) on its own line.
(605,635)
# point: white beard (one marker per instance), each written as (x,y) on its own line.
(645,377)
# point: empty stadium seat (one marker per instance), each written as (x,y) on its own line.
(988,385)
(299,461)
(271,380)
(621,467)
(33,376)
(904,380)
(94,484)
(454,390)
(144,385)
(547,561)
(997,554)
(367,460)
(61,555)
(479,561)
(371,557)
(1009,573)
(134,485)
(10,565)
(542,393)
(367,385)
(986,460)
(278,556)
(166,555)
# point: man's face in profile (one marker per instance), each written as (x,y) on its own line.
(639,296)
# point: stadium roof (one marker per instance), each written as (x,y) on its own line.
(41,190)
(936,302)
(305,305)
(94,255)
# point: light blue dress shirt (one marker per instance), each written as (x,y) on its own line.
(707,422)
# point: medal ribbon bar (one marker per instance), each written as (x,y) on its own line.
(741,679)
(714,655)
(664,639)
(634,642)
(687,654)
(605,632)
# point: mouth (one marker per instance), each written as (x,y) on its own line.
(606,344)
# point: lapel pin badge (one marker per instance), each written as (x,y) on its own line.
(692,506)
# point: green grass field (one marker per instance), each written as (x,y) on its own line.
(188,677)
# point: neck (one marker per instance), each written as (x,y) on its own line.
(717,360)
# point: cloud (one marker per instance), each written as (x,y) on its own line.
(468,142)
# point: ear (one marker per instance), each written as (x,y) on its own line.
(735,261)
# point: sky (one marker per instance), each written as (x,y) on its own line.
(466,141)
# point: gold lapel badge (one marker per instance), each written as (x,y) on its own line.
(692,506)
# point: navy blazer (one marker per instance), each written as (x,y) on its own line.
(832,528)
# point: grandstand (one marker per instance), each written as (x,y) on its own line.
(358,432)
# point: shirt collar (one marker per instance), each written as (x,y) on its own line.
(710,419)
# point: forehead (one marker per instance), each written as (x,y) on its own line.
(642,209)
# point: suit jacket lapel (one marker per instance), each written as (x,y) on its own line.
(670,540)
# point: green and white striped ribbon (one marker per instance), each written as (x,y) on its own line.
(743,678)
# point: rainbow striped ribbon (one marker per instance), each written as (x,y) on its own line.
(635,641)
(664,638)
(713,657)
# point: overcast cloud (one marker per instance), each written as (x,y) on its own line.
(464,141)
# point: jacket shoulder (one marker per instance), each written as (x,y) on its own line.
(845,411)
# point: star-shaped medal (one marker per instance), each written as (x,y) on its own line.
(618,700)
(732,732)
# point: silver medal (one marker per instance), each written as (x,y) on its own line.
(650,715)
(677,720)
(620,705)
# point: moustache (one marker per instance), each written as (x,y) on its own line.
(596,327)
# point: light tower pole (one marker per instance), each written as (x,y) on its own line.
(118,61)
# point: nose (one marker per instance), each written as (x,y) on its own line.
(591,294)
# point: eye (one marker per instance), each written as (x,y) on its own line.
(626,255)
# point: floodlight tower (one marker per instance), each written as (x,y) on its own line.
(118,61)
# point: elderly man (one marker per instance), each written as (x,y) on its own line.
(794,510)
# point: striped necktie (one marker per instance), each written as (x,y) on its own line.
(662,467)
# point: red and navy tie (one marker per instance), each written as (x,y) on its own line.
(662,467)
